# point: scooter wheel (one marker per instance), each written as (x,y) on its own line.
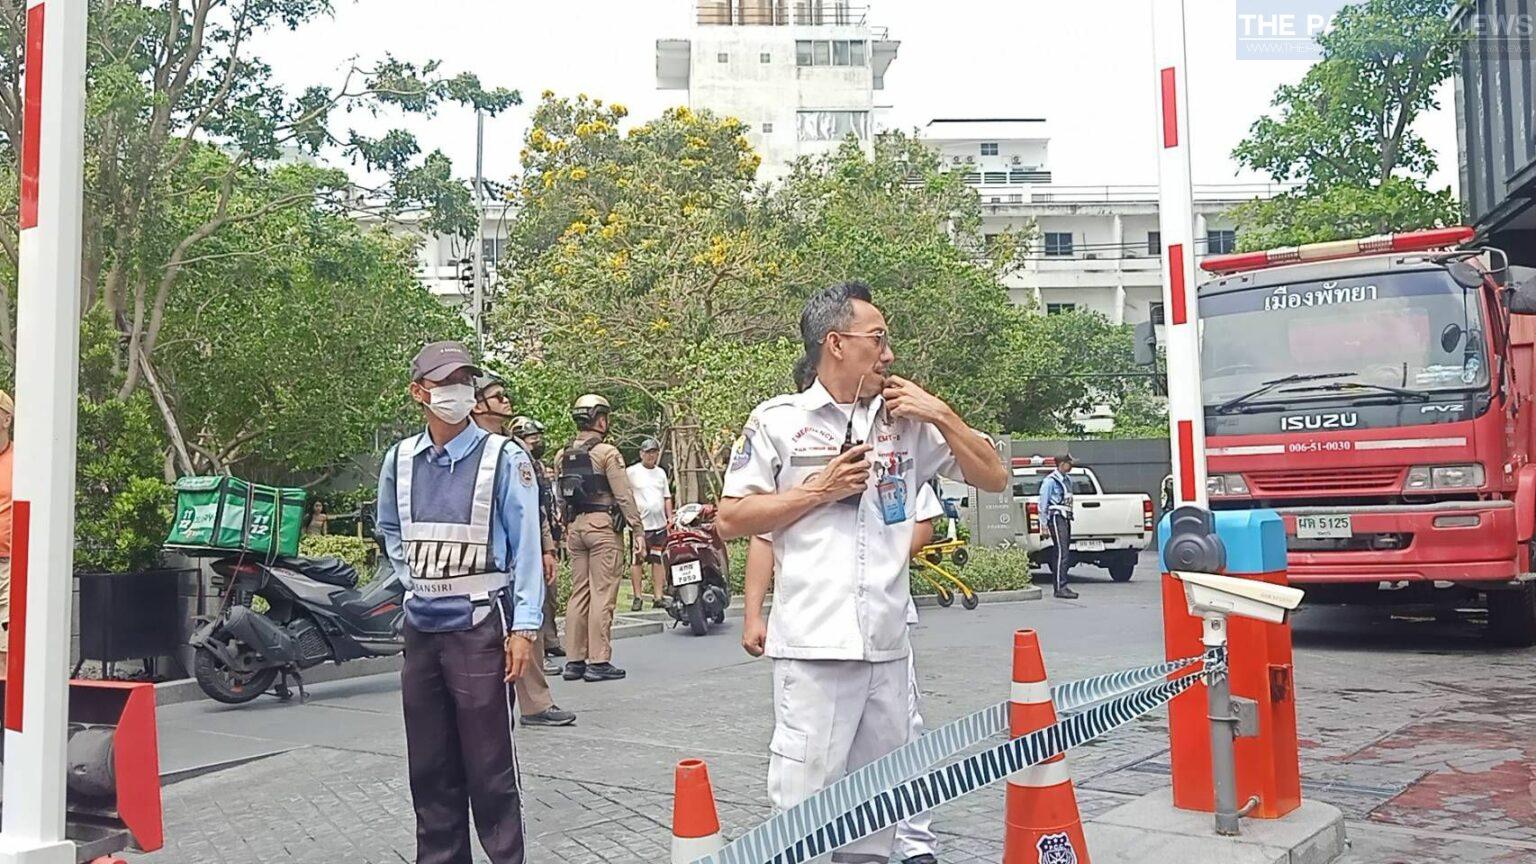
(970,601)
(946,598)
(960,556)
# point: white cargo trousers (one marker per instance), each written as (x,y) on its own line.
(831,717)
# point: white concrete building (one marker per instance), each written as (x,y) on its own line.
(1097,247)
(802,74)
(445,263)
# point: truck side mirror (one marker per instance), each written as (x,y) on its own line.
(1520,295)
(1146,344)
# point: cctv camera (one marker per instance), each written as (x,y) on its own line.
(1208,593)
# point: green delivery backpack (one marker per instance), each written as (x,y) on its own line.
(227,514)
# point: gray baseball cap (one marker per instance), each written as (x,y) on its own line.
(438,360)
(649,444)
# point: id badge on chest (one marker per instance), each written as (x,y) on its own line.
(892,490)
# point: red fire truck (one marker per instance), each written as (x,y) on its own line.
(1378,394)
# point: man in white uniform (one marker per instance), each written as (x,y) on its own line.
(830,473)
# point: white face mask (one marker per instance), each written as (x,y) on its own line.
(452,403)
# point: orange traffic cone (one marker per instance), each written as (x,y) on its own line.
(1042,822)
(695,824)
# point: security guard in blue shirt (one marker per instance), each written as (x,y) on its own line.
(458,509)
(1056,510)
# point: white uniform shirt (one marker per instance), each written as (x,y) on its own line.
(651,492)
(928,507)
(842,591)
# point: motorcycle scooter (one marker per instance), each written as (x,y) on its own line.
(696,561)
(315,613)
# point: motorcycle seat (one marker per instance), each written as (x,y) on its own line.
(331,571)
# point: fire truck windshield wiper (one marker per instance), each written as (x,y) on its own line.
(1230,404)
(1352,386)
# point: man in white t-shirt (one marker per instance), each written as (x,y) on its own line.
(653,495)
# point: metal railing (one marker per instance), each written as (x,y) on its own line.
(777,13)
(1046,193)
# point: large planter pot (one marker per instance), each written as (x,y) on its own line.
(129,616)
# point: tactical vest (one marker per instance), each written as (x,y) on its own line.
(445,520)
(583,488)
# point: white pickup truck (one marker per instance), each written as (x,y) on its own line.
(1108,531)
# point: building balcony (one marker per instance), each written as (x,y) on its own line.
(780,13)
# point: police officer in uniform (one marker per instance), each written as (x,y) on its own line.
(1056,506)
(833,475)
(492,410)
(595,491)
(458,510)
(531,433)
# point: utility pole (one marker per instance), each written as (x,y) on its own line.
(479,250)
(51,166)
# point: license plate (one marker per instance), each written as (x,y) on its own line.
(687,573)
(1089,545)
(1324,527)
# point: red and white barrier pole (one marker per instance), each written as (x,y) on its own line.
(47,371)
(1176,216)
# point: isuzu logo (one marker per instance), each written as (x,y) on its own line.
(1311,422)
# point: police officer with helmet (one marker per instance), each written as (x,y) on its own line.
(594,490)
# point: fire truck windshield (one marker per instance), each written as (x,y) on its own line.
(1399,335)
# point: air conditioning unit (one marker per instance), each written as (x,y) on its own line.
(956,160)
(1015,160)
(970,160)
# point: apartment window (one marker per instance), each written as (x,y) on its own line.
(989,241)
(1220,242)
(765,57)
(490,250)
(1155,313)
(767,127)
(1155,243)
(989,148)
(722,57)
(832,125)
(1059,308)
(996,177)
(836,52)
(1058,243)
(1016,198)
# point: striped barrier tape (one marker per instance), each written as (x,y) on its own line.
(799,836)
(945,742)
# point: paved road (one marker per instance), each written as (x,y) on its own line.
(1417,730)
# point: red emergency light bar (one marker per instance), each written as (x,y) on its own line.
(1408,241)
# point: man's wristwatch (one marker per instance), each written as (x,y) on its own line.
(530,635)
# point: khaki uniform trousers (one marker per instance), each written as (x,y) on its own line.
(597,557)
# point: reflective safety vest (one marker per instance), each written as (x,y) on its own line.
(445,520)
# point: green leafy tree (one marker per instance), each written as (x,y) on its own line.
(281,365)
(1345,131)
(893,218)
(183,128)
(122,506)
(632,252)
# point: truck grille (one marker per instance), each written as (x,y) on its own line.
(1335,480)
